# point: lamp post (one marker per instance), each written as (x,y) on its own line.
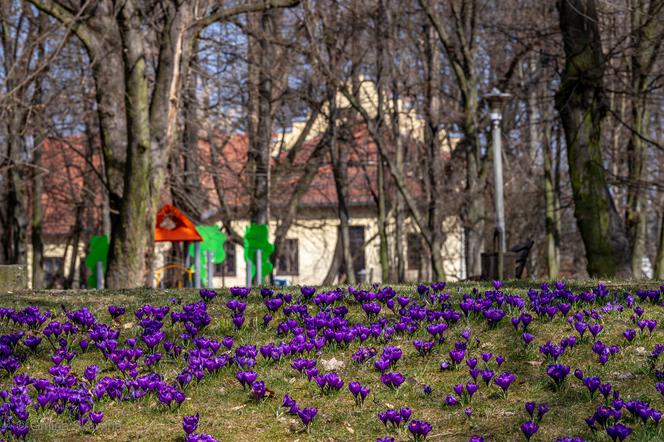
(495,99)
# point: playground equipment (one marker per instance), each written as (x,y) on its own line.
(96,261)
(175,226)
(257,251)
(181,269)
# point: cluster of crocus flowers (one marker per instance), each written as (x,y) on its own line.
(359,392)
(190,425)
(419,429)
(329,382)
(535,413)
(394,418)
(132,365)
(306,415)
(392,379)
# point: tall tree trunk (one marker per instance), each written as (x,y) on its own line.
(551,222)
(261,59)
(339,156)
(381,108)
(76,239)
(581,102)
(126,263)
(659,260)
(37,222)
(647,23)
(434,155)
(399,204)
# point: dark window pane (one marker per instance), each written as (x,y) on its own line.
(288,258)
(54,276)
(228,267)
(414,251)
(82,274)
(357,249)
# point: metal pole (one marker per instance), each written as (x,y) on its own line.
(259,267)
(498,186)
(100,275)
(248,264)
(197,264)
(210,269)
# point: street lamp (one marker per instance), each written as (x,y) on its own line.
(495,99)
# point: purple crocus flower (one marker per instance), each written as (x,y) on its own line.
(504,380)
(96,418)
(419,429)
(592,384)
(258,390)
(500,359)
(527,338)
(451,400)
(246,377)
(471,389)
(557,372)
(542,409)
(618,432)
(32,341)
(629,334)
(487,376)
(307,415)
(457,356)
(190,423)
(393,379)
(530,408)
(529,429)
(90,372)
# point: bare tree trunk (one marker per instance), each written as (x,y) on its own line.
(551,223)
(581,103)
(659,261)
(434,154)
(129,238)
(262,58)
(381,39)
(647,24)
(399,204)
(76,238)
(37,222)
(339,155)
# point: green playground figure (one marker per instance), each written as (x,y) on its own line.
(213,241)
(98,252)
(256,238)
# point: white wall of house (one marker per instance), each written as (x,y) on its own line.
(316,241)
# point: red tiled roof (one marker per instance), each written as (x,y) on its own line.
(65,167)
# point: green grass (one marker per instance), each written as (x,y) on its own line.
(228,414)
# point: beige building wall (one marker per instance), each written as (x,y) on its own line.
(316,244)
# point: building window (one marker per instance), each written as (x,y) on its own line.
(357,250)
(82,274)
(54,275)
(414,251)
(288,258)
(228,267)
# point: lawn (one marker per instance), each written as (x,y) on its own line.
(230,413)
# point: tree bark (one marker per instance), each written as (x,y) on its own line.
(126,262)
(381,109)
(339,156)
(461,52)
(581,102)
(261,59)
(659,261)
(399,203)
(647,23)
